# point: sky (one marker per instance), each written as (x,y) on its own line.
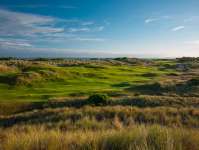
(99,28)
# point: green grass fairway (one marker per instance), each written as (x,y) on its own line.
(44,80)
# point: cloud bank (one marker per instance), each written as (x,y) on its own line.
(22,30)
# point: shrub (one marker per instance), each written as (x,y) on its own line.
(98,99)
(193,82)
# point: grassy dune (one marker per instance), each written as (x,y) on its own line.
(122,103)
(101,127)
(133,138)
(37,80)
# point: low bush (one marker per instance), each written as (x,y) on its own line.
(193,82)
(98,99)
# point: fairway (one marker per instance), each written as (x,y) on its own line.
(41,81)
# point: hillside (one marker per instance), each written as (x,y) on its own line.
(36,80)
(121,103)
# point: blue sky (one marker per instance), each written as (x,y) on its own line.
(99,28)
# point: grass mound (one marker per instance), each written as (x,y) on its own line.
(7,69)
(189,88)
(128,115)
(153,88)
(26,78)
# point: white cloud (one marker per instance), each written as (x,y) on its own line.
(91,39)
(25,24)
(149,20)
(25,6)
(100,28)
(14,43)
(79,29)
(178,28)
(39,6)
(19,30)
(20,24)
(191,19)
(87,23)
(158,18)
(45,30)
(86,29)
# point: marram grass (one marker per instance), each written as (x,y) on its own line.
(134,138)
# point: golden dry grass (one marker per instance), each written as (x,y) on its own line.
(132,138)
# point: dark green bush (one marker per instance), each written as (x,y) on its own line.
(98,99)
(193,82)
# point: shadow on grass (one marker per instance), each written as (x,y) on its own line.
(8,79)
(148,89)
(189,88)
(122,84)
(149,74)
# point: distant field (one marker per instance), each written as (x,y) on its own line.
(44,80)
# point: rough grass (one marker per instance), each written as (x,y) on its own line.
(7,69)
(142,101)
(132,138)
(151,105)
(166,116)
(59,127)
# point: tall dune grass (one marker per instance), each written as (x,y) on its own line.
(186,117)
(134,138)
